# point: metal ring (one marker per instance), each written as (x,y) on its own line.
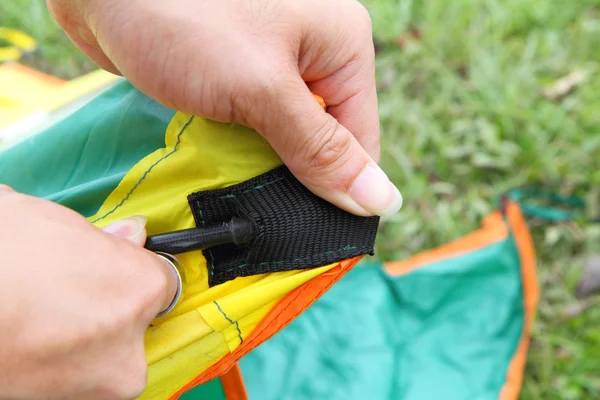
(175,265)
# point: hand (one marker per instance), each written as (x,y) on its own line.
(76,302)
(256,62)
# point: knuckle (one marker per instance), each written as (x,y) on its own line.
(154,286)
(327,150)
(144,298)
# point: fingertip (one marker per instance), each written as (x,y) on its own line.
(96,55)
(132,229)
(328,159)
(373,191)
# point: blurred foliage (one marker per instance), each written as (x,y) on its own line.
(464,120)
(58,55)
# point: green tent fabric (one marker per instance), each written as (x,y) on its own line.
(212,390)
(116,130)
(446,330)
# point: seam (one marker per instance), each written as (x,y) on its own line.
(211,271)
(230,321)
(139,182)
(437,259)
(258,187)
(305,288)
(215,370)
(325,257)
(329,253)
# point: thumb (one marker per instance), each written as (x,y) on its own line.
(324,155)
(5,189)
(134,230)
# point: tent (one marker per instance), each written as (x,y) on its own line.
(453,322)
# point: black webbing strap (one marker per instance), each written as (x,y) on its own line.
(296,229)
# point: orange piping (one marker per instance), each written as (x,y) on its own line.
(292,305)
(514,374)
(493,230)
(233,384)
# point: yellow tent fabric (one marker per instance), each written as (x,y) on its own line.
(30,101)
(208,322)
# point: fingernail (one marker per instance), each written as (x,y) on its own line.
(128,227)
(373,191)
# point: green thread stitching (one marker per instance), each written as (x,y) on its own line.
(211,271)
(258,187)
(230,321)
(201,215)
(345,248)
(148,171)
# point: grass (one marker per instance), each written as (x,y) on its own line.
(57,56)
(463,120)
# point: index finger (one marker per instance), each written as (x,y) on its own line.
(351,96)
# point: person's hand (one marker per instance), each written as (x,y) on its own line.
(256,62)
(76,302)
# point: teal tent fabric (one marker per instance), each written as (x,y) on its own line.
(211,390)
(116,130)
(446,331)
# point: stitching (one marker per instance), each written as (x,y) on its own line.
(230,321)
(215,370)
(305,288)
(211,271)
(258,187)
(329,253)
(343,249)
(175,148)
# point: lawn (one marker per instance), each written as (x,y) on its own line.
(465,116)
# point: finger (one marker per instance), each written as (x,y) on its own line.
(173,282)
(132,229)
(95,53)
(5,189)
(157,282)
(351,98)
(323,154)
(69,16)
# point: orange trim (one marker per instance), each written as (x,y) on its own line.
(493,230)
(233,384)
(292,305)
(320,101)
(40,76)
(514,374)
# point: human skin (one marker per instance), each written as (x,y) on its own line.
(256,62)
(78,299)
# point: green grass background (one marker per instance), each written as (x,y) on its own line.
(463,120)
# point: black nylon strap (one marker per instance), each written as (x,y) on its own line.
(296,229)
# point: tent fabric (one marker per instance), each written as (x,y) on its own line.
(229,386)
(453,322)
(31,101)
(80,160)
(450,323)
(124,154)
